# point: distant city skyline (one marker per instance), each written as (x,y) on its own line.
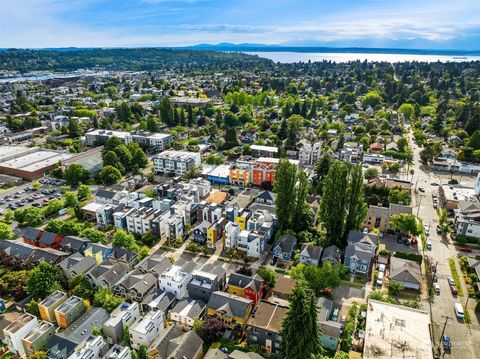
(420,24)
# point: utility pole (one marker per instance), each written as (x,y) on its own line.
(443,330)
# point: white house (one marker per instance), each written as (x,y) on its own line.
(92,348)
(186,311)
(146,330)
(17,330)
(232,231)
(175,280)
(252,243)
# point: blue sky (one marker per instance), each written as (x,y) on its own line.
(432,24)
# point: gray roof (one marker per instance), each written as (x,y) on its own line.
(81,329)
(17,249)
(78,263)
(174,343)
(361,245)
(287,243)
(109,272)
(31,233)
(324,308)
(197,307)
(267,196)
(154,264)
(244,281)
(73,243)
(233,305)
(141,282)
(105,194)
(311,251)
(404,270)
(332,253)
(59,347)
(159,300)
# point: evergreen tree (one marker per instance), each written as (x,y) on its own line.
(166,111)
(73,128)
(190,116)
(357,209)
(333,203)
(300,334)
(284,187)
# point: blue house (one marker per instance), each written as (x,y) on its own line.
(219,174)
(284,248)
(360,252)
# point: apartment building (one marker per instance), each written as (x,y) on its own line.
(146,330)
(38,337)
(118,352)
(175,279)
(69,311)
(92,348)
(309,153)
(264,151)
(47,306)
(143,138)
(124,315)
(17,330)
(178,162)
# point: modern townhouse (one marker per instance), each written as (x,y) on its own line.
(308,152)
(135,285)
(175,279)
(81,329)
(94,347)
(146,330)
(38,338)
(467,219)
(206,281)
(69,311)
(159,301)
(17,330)
(47,306)
(252,243)
(118,352)
(232,231)
(124,315)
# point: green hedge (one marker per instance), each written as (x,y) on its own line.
(410,256)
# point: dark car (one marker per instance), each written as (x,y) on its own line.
(273,261)
(465,249)
(399,240)
(454,290)
(447,345)
(421,189)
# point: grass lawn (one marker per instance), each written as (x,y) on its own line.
(455,276)
(467,318)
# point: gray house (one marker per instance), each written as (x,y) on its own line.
(332,254)
(407,272)
(331,331)
(76,264)
(284,248)
(135,285)
(206,281)
(360,252)
(107,274)
(310,254)
(74,244)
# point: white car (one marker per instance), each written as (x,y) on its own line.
(436,288)
(381,268)
(450,281)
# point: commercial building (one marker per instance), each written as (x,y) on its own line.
(158,140)
(396,332)
(451,195)
(177,162)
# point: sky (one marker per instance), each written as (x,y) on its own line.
(416,24)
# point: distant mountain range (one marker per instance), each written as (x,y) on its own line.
(247,47)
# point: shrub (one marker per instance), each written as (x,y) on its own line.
(410,256)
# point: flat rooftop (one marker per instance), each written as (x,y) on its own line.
(9,152)
(34,161)
(38,331)
(52,298)
(69,304)
(20,322)
(395,331)
(459,193)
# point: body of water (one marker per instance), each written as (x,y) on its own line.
(289,57)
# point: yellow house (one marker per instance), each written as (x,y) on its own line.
(231,309)
(215,231)
(242,219)
(47,306)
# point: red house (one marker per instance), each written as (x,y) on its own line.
(41,238)
(247,287)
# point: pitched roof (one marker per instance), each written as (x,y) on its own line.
(268,316)
(73,243)
(77,263)
(232,304)
(267,196)
(331,253)
(284,285)
(105,194)
(159,300)
(244,281)
(311,251)
(189,307)
(174,343)
(59,347)
(404,270)
(31,233)
(286,242)
(48,238)
(81,329)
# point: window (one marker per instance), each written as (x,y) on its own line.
(256,331)
(253,338)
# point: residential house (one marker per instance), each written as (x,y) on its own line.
(200,232)
(154,264)
(146,330)
(94,347)
(242,218)
(246,287)
(283,287)
(332,254)
(378,217)
(48,255)
(41,238)
(38,337)
(231,233)
(206,281)
(264,328)
(331,331)
(124,315)
(360,252)
(135,285)
(17,330)
(76,264)
(407,272)
(107,274)
(215,232)
(47,306)
(467,219)
(310,254)
(233,310)
(284,248)
(98,251)
(81,330)
(252,243)
(173,342)
(122,255)
(266,197)
(74,244)
(118,352)
(175,279)
(187,311)
(69,311)
(159,300)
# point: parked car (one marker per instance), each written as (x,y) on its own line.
(407,242)
(421,189)
(454,290)
(381,267)
(433,183)
(465,249)
(429,245)
(450,281)
(438,229)
(447,345)
(435,205)
(436,288)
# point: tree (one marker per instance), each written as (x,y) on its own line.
(300,334)
(404,223)
(75,174)
(407,110)
(284,187)
(143,252)
(81,287)
(31,216)
(474,141)
(39,355)
(372,99)
(370,173)
(333,204)
(94,235)
(319,278)
(53,207)
(73,128)
(139,158)
(70,199)
(111,144)
(341,355)
(104,298)
(400,196)
(5,231)
(110,175)
(426,155)
(356,207)
(126,336)
(7,216)
(395,287)
(123,239)
(166,111)
(230,138)
(124,112)
(211,330)
(268,275)
(44,280)
(142,352)
(84,191)
(294,126)
(36,186)
(230,119)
